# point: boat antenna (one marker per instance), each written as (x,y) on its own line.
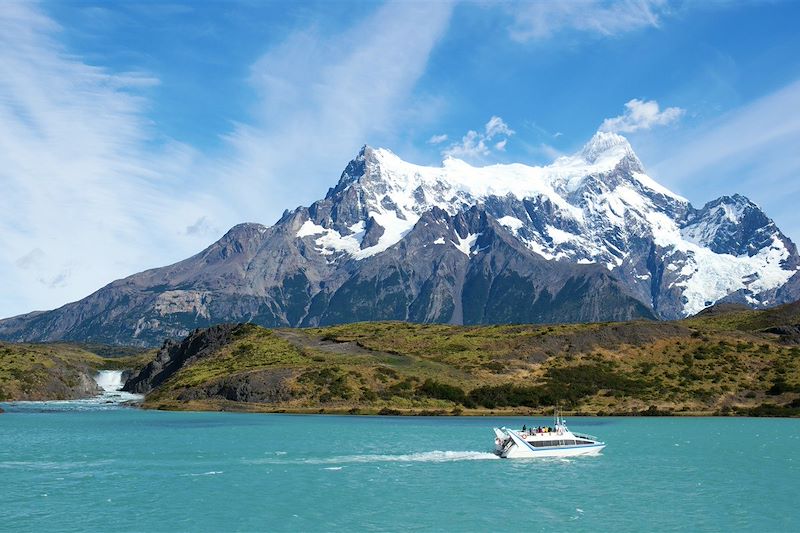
(559,421)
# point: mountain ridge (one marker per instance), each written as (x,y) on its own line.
(590,237)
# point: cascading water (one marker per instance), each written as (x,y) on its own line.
(111,397)
(109,380)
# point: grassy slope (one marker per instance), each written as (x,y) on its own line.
(53,371)
(711,364)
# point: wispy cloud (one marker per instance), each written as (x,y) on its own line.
(769,123)
(641,115)
(91,192)
(549,151)
(543,20)
(353,88)
(475,145)
(202,226)
(84,185)
(751,150)
(438,139)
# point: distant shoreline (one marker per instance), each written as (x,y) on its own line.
(253,408)
(235,407)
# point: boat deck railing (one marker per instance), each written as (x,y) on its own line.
(555,435)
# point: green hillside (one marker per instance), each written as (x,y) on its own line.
(59,371)
(725,361)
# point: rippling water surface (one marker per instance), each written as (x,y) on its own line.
(70,467)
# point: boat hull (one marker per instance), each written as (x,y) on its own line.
(510,444)
(515,451)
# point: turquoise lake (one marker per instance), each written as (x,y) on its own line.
(83,469)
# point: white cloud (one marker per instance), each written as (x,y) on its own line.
(496,127)
(472,145)
(542,20)
(641,115)
(475,145)
(87,182)
(437,139)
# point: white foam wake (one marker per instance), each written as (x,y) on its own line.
(436,456)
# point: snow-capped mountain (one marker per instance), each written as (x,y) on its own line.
(589,237)
(595,207)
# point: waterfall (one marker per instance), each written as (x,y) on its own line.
(109,380)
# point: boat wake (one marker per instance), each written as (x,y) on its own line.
(436,456)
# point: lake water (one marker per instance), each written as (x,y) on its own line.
(84,469)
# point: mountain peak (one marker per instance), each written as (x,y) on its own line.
(734,207)
(606,144)
(735,199)
(244,230)
(367,159)
(378,155)
(366,152)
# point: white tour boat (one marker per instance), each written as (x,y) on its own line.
(557,441)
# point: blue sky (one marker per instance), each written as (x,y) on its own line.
(134,134)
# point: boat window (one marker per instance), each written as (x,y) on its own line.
(584,442)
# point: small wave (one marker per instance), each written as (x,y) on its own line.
(333,468)
(54,465)
(211,473)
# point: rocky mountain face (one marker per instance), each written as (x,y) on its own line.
(588,238)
